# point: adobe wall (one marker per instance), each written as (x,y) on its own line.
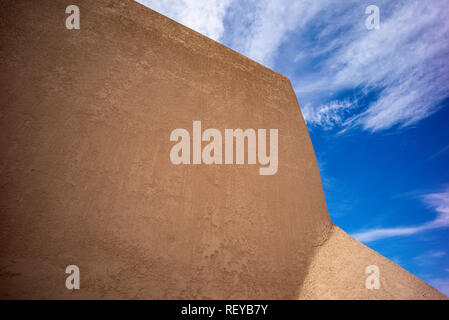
(86,177)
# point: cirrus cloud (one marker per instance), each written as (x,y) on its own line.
(438,201)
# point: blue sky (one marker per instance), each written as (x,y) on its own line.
(376,103)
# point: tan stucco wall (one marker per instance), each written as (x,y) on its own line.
(86,178)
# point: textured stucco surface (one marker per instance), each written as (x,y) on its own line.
(338,269)
(86,178)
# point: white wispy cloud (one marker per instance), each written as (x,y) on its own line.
(381,233)
(441,284)
(438,254)
(439,202)
(328,115)
(205,17)
(428,258)
(405,61)
(439,152)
